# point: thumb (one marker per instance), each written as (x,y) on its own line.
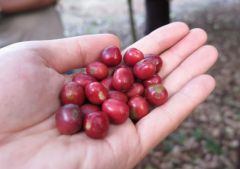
(72,53)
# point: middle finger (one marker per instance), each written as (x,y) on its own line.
(181,50)
(196,64)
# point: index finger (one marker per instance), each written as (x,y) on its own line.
(161,39)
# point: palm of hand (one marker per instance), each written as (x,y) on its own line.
(30,96)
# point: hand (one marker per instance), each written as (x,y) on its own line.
(31,80)
(13,6)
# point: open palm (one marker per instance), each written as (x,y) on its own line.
(31,81)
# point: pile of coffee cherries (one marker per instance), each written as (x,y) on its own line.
(94,99)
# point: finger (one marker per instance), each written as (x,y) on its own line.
(180,51)
(161,39)
(163,120)
(196,64)
(72,53)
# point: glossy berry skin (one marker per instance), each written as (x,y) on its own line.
(156,94)
(154,79)
(157,59)
(96,125)
(96,93)
(118,96)
(72,93)
(132,56)
(139,107)
(98,70)
(116,110)
(83,79)
(107,83)
(89,108)
(111,56)
(69,119)
(144,69)
(123,79)
(123,66)
(136,90)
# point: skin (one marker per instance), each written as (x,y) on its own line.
(31,80)
(14,6)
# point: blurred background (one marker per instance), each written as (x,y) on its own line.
(208,138)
